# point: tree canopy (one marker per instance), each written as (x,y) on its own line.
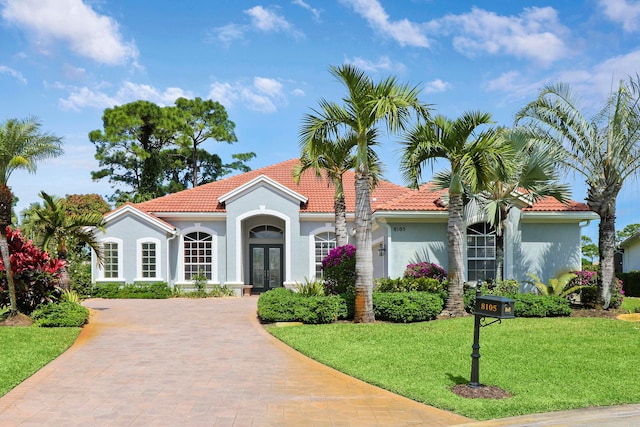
(147,151)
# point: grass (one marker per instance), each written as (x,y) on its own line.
(630,304)
(546,364)
(24,350)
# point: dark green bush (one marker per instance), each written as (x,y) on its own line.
(411,284)
(405,307)
(284,305)
(349,299)
(630,283)
(156,290)
(63,314)
(588,296)
(532,305)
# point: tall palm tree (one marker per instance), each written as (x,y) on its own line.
(334,159)
(603,149)
(474,160)
(367,106)
(531,177)
(22,146)
(53,228)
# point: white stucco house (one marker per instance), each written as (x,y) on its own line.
(631,253)
(260,228)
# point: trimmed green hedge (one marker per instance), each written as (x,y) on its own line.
(406,307)
(60,315)
(110,290)
(528,305)
(630,283)
(285,305)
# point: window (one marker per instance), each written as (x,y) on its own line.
(265,232)
(111,260)
(324,242)
(148,260)
(481,252)
(198,255)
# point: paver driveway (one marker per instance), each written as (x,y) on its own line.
(201,362)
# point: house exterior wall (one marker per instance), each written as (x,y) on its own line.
(631,257)
(129,231)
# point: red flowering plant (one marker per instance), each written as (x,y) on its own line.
(588,280)
(339,269)
(35,274)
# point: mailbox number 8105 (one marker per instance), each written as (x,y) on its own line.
(488,307)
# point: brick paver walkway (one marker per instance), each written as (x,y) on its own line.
(197,362)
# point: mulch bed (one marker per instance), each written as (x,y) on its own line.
(17,320)
(483,392)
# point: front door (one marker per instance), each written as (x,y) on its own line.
(266,266)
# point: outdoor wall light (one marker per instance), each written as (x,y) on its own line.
(381,249)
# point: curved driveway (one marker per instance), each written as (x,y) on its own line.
(197,362)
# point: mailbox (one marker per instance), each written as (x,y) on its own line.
(495,306)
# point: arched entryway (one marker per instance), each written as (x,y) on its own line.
(266,257)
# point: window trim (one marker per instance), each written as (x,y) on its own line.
(491,232)
(120,277)
(139,243)
(215,270)
(328,228)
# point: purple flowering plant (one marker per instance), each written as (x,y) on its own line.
(339,269)
(425,269)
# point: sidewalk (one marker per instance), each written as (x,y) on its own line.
(197,362)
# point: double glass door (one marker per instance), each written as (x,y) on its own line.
(266,266)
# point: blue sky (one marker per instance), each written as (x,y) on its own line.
(65,61)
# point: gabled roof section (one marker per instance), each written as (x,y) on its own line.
(262,179)
(130,208)
(316,194)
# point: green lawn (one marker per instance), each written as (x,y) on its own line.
(24,350)
(629,304)
(546,364)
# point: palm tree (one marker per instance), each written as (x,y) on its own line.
(531,177)
(334,159)
(22,146)
(474,158)
(53,228)
(366,106)
(603,149)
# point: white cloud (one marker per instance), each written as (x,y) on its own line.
(268,21)
(84,97)
(382,64)
(624,12)
(13,73)
(536,33)
(304,5)
(298,92)
(71,21)
(264,95)
(227,33)
(436,85)
(405,32)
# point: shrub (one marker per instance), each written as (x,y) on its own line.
(311,288)
(630,283)
(531,305)
(405,307)
(561,286)
(63,315)
(426,270)
(339,269)
(504,288)
(349,299)
(589,294)
(156,290)
(35,274)
(284,305)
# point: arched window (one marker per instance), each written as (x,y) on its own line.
(112,259)
(198,255)
(324,242)
(266,232)
(481,252)
(148,259)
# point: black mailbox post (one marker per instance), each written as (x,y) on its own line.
(486,306)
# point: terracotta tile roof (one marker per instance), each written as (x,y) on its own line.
(386,196)
(549,204)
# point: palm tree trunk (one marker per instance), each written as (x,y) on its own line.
(4,251)
(340,209)
(499,255)
(455,303)
(364,261)
(63,278)
(606,247)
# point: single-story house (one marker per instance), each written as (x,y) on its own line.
(630,249)
(260,228)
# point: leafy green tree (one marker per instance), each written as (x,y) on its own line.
(54,228)
(475,160)
(367,106)
(531,176)
(589,249)
(200,121)
(603,149)
(627,232)
(22,145)
(129,146)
